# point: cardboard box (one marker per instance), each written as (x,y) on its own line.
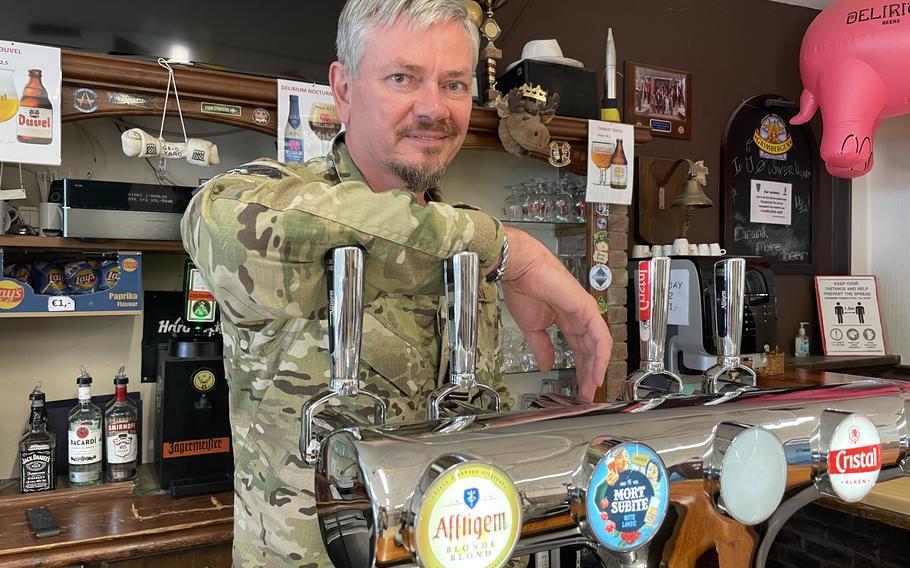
(577,87)
(125,298)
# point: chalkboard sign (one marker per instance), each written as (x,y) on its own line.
(769,184)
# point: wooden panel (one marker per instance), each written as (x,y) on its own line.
(218,556)
(656,224)
(61,243)
(99,525)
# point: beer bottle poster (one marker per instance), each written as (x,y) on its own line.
(611,153)
(30,83)
(307,121)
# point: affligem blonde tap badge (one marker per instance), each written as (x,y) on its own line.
(30,82)
(469,518)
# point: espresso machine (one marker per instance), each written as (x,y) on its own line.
(479,489)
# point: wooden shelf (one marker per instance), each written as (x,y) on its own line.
(63,243)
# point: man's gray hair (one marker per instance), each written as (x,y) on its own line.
(359,16)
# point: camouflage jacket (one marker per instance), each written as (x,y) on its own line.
(259,234)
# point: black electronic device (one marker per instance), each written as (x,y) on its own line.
(95,209)
(193,431)
(577,87)
(42,521)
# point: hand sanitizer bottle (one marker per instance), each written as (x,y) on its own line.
(801,348)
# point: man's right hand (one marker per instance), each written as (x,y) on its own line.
(539,292)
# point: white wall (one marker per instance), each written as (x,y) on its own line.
(50,350)
(881,228)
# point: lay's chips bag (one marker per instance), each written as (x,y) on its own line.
(81,277)
(47,278)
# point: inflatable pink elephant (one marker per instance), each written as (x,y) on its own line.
(855,66)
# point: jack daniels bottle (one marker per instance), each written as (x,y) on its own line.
(37,449)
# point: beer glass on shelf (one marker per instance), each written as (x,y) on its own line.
(324,123)
(601,155)
(9,106)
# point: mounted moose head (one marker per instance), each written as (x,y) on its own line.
(522,122)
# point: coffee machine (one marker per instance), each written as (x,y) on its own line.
(691,348)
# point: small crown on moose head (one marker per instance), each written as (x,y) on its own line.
(533,92)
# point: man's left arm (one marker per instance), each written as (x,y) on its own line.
(540,292)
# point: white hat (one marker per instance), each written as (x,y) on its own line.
(547,50)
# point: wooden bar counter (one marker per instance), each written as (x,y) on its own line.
(117,525)
(127,525)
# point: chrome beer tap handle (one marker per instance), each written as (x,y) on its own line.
(462,283)
(344,271)
(653,379)
(729,289)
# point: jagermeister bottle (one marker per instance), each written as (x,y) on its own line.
(84,436)
(293,133)
(121,443)
(37,449)
(619,171)
(35,123)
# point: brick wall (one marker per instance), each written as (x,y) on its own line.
(818,537)
(617,314)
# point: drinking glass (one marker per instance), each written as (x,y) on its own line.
(601,154)
(9,106)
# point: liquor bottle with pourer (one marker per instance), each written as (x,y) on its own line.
(84,436)
(121,442)
(37,449)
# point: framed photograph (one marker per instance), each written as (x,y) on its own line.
(660,99)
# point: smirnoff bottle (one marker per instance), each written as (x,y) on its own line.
(120,440)
(293,133)
(35,123)
(85,436)
(37,450)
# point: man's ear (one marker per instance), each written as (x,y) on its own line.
(340,80)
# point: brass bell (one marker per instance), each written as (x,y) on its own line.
(692,196)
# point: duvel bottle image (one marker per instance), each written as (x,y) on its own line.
(35,123)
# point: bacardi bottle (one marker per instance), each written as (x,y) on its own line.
(35,123)
(120,440)
(85,436)
(37,450)
(293,133)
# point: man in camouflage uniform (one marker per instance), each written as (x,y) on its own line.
(260,232)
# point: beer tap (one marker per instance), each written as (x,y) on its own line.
(344,271)
(729,373)
(652,379)
(462,277)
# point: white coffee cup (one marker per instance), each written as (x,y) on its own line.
(657,250)
(693,249)
(669,250)
(704,250)
(8,214)
(50,219)
(681,246)
(641,251)
(716,250)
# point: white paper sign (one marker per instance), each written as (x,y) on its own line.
(30,81)
(849,314)
(307,121)
(611,153)
(772,202)
(60,304)
(679,297)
